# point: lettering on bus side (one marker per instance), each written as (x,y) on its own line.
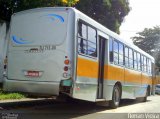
(48,47)
(41,49)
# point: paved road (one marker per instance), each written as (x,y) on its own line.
(82,110)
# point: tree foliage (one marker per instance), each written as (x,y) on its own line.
(8,7)
(149,41)
(110,13)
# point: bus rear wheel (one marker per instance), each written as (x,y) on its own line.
(116,96)
(147,93)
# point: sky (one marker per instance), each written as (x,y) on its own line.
(143,14)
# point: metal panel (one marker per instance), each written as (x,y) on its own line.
(85,85)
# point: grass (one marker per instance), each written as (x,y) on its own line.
(10,96)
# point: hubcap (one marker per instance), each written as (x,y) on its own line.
(116,96)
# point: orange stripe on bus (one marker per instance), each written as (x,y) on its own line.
(113,73)
(157,80)
(89,68)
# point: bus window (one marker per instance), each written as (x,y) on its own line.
(115,46)
(126,57)
(139,61)
(145,63)
(92,48)
(142,62)
(110,50)
(82,37)
(82,47)
(149,67)
(130,58)
(135,61)
(121,59)
(87,40)
(82,30)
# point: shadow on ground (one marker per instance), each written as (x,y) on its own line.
(51,109)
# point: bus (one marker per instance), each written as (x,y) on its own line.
(60,50)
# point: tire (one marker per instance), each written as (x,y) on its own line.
(147,93)
(116,96)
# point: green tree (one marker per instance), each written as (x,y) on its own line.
(149,41)
(110,13)
(8,7)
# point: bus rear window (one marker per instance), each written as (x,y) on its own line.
(39,28)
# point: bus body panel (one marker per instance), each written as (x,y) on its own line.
(85,86)
(32,87)
(37,50)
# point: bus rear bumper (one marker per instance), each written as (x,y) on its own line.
(30,87)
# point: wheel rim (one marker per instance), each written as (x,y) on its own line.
(116,96)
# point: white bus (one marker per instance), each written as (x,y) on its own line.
(56,51)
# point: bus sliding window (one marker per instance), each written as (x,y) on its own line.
(115,47)
(82,46)
(87,40)
(111,49)
(92,47)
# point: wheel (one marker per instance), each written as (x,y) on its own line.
(116,96)
(147,93)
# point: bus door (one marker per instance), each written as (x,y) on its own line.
(86,76)
(102,44)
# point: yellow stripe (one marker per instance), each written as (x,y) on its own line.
(113,73)
(157,80)
(89,68)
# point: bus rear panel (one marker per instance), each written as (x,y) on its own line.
(37,51)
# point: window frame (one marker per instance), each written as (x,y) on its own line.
(78,36)
(111,52)
(135,60)
(126,57)
(117,52)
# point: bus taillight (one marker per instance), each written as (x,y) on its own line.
(67,68)
(66,62)
(5,63)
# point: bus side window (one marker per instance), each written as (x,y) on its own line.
(82,38)
(145,63)
(87,40)
(115,47)
(139,61)
(92,42)
(130,58)
(149,66)
(135,61)
(142,62)
(110,50)
(121,50)
(126,57)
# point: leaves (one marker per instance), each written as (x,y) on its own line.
(69,2)
(110,13)
(8,7)
(149,41)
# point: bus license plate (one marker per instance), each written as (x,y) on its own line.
(33,73)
